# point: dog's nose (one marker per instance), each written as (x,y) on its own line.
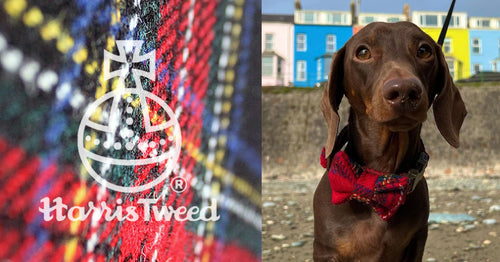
(401,92)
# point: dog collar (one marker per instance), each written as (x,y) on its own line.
(384,191)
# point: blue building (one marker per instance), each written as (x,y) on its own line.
(472,44)
(484,34)
(317,35)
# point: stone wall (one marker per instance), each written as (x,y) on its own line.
(293,133)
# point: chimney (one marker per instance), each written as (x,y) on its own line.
(298,6)
(354,17)
(406,12)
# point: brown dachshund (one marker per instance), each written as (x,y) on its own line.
(391,74)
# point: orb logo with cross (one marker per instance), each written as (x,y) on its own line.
(119,135)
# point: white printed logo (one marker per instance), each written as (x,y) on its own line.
(108,134)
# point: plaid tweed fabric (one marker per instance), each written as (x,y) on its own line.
(51,60)
(385,192)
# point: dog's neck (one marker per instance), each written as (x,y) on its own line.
(375,146)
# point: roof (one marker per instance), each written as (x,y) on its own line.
(270,53)
(277,18)
(325,55)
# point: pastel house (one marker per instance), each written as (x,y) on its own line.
(484,34)
(456,47)
(472,44)
(366,18)
(277,50)
(318,35)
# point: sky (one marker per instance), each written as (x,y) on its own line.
(487,8)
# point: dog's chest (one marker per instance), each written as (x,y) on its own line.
(369,238)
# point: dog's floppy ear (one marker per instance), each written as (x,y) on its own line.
(332,95)
(449,109)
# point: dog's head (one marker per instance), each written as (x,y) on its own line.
(393,73)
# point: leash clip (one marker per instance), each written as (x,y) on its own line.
(416,174)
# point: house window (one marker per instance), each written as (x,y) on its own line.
(451,67)
(269,42)
(327,62)
(309,17)
(393,19)
(477,68)
(494,67)
(429,20)
(329,19)
(336,19)
(301,70)
(331,44)
(318,69)
(267,65)
(483,23)
(476,46)
(447,46)
(301,42)
(368,19)
(454,21)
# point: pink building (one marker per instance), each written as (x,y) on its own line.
(277,50)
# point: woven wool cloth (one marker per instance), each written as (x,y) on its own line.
(51,70)
(385,192)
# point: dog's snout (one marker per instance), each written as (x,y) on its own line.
(400,92)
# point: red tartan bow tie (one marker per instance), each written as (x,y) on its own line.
(385,192)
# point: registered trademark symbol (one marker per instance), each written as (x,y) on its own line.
(178,184)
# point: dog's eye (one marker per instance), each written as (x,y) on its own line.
(424,51)
(363,54)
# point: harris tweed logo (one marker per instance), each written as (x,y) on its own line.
(128,147)
(119,134)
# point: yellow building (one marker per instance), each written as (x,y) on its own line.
(456,47)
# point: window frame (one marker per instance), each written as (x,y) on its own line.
(448,44)
(478,46)
(311,15)
(451,68)
(393,19)
(264,58)
(423,20)
(318,69)
(304,68)
(368,19)
(301,42)
(332,43)
(454,21)
(474,68)
(327,63)
(268,42)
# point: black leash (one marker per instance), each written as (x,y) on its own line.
(340,141)
(442,35)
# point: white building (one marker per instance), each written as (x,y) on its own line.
(484,22)
(366,18)
(436,19)
(318,17)
(277,50)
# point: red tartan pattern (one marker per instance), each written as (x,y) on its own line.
(385,192)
